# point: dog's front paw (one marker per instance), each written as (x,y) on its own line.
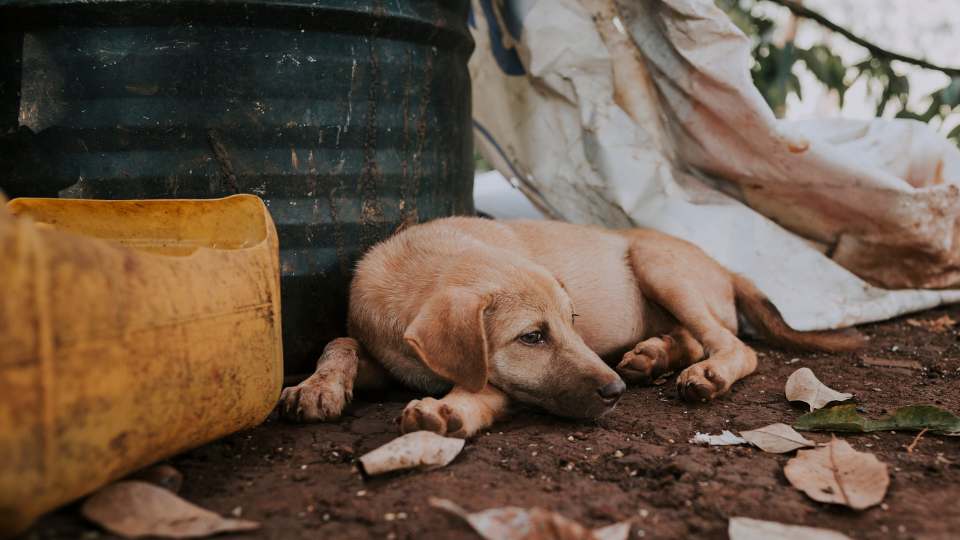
(320,398)
(700,382)
(429,414)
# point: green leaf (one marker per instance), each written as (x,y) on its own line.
(773,74)
(950,95)
(827,67)
(845,418)
(954,134)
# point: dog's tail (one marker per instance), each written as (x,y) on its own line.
(766,319)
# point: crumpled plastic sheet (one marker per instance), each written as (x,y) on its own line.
(643,113)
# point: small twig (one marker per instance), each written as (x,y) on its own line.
(807,13)
(916,440)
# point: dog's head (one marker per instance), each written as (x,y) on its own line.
(513,325)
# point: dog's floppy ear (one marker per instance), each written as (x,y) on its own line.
(449,336)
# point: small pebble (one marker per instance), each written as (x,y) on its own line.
(618,454)
(389,516)
(361,493)
(237,512)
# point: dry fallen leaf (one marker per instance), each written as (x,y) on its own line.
(725,438)
(420,449)
(741,528)
(836,473)
(133,509)
(514,523)
(776,438)
(617,531)
(938,325)
(804,386)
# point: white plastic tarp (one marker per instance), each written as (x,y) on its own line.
(643,113)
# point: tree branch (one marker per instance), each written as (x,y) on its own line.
(807,13)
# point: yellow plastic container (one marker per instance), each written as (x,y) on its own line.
(129,331)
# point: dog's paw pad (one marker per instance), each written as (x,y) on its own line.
(317,399)
(700,383)
(430,414)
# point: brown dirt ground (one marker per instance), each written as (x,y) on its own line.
(300,481)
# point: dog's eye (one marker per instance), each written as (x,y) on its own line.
(533,338)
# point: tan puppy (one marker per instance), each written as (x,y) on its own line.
(537,311)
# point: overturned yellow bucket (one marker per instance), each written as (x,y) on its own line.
(129,331)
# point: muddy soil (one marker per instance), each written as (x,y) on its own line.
(633,464)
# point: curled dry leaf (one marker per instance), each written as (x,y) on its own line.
(741,528)
(836,473)
(133,509)
(514,523)
(776,438)
(417,450)
(804,386)
(725,438)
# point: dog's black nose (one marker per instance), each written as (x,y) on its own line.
(612,391)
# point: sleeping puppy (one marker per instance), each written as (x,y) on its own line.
(556,315)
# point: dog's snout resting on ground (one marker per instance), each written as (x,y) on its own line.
(483,313)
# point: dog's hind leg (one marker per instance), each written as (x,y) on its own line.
(323,396)
(657,356)
(458,414)
(699,294)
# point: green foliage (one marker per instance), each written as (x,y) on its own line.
(846,418)
(775,67)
